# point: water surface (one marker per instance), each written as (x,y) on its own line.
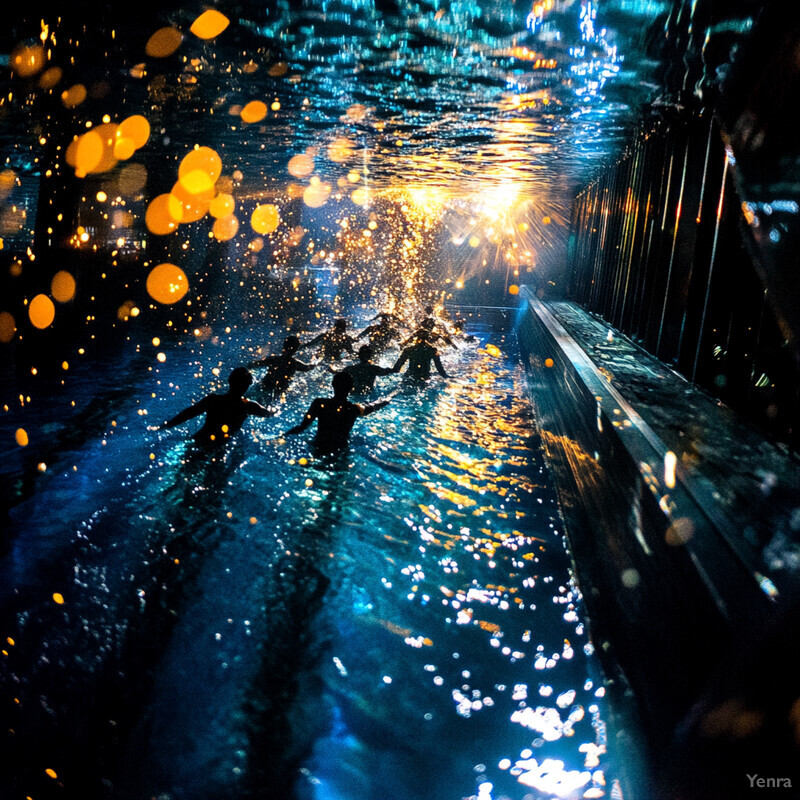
(395,621)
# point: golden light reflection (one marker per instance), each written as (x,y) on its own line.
(74,96)
(225,228)
(199,170)
(193,205)
(164,214)
(300,166)
(135,128)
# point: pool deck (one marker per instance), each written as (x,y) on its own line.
(684,524)
(750,484)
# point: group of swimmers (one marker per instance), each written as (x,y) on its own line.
(335,416)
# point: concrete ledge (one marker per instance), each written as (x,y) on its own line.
(666,585)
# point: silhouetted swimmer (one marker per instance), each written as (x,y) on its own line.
(381,334)
(389,317)
(420,356)
(281,368)
(364,372)
(428,328)
(334,342)
(225,413)
(335,416)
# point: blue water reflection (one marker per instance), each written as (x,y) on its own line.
(399,620)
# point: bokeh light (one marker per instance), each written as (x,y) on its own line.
(8,326)
(167,283)
(27,60)
(265,218)
(209,24)
(164,42)
(199,170)
(163,214)
(41,311)
(254,111)
(62,286)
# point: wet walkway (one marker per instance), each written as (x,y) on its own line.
(754,483)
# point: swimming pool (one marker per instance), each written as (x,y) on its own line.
(398,621)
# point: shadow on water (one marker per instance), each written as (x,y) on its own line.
(282,731)
(83,668)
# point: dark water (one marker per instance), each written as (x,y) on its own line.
(396,621)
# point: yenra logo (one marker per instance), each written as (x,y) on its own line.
(769,783)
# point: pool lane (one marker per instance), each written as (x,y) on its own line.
(400,621)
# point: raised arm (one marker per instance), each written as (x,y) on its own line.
(411,338)
(447,340)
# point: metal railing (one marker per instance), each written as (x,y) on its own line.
(659,252)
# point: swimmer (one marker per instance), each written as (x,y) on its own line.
(281,368)
(333,342)
(381,334)
(335,416)
(428,328)
(225,413)
(364,372)
(390,317)
(420,356)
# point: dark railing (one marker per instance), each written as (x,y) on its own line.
(659,251)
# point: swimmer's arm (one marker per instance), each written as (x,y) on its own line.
(400,361)
(310,416)
(379,370)
(439,368)
(257,410)
(366,331)
(301,367)
(363,411)
(260,362)
(315,340)
(447,340)
(188,413)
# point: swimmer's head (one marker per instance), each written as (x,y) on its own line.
(240,379)
(342,383)
(429,310)
(365,352)
(291,344)
(428,323)
(423,336)
(340,325)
